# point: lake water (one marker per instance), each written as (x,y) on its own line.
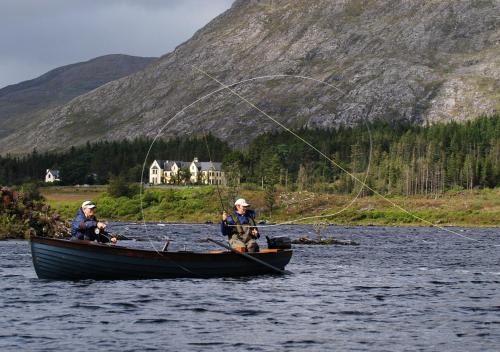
(402,289)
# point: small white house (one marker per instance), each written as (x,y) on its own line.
(52,176)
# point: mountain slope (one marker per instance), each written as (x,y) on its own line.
(387,59)
(19,103)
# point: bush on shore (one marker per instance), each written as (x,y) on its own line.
(24,214)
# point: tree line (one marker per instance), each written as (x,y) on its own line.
(390,157)
(95,163)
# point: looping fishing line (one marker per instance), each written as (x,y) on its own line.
(293,221)
(224,87)
(232,91)
(331,160)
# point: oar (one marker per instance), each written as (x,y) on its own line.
(278,270)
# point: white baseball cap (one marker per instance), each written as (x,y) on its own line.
(241,202)
(88,205)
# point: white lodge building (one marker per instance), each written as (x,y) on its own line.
(196,172)
(156,172)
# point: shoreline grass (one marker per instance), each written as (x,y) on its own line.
(475,208)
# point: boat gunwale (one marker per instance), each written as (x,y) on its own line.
(141,253)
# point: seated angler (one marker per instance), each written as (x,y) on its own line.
(240,227)
(85,224)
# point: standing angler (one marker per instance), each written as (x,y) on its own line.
(240,227)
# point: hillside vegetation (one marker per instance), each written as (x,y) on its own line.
(391,158)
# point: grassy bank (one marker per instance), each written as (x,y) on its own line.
(200,204)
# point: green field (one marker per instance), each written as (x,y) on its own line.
(200,204)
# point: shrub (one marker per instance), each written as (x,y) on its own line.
(31,191)
(119,187)
(21,216)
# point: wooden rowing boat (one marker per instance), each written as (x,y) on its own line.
(58,259)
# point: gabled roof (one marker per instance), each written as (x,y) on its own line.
(201,165)
(180,164)
(54,172)
(208,165)
(160,162)
(168,165)
(183,164)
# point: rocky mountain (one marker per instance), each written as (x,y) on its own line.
(422,61)
(20,103)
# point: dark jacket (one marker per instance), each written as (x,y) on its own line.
(83,228)
(230,226)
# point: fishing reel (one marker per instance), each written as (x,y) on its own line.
(104,234)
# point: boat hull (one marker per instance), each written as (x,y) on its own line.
(77,260)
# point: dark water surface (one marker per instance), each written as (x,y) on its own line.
(402,289)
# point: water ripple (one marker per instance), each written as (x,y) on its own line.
(401,289)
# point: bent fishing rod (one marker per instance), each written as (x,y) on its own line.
(211,163)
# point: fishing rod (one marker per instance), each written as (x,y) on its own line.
(217,186)
(229,87)
(216,183)
(354,177)
(180,112)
